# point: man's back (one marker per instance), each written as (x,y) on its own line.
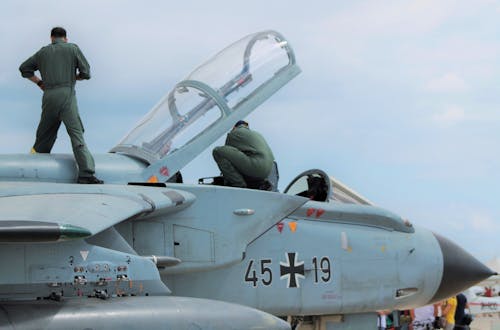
(58,63)
(250,142)
(460,311)
(450,306)
(245,159)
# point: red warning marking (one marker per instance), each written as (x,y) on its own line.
(319,213)
(310,211)
(280,226)
(164,171)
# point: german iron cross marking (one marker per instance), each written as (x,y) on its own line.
(292,270)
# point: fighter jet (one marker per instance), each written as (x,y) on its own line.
(318,249)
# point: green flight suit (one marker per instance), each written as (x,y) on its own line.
(58,63)
(245,155)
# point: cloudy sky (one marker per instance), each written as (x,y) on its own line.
(397,99)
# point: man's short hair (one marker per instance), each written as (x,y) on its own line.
(58,32)
(241,123)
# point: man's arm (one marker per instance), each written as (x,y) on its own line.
(37,81)
(447,308)
(82,65)
(28,69)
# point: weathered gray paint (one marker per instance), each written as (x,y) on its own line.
(365,277)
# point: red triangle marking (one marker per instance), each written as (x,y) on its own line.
(319,213)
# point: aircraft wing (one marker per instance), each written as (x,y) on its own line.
(48,212)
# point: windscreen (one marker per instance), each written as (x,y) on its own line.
(182,115)
(240,69)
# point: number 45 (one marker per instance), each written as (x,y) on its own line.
(265,273)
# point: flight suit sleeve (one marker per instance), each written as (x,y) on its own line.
(234,139)
(82,64)
(242,139)
(29,67)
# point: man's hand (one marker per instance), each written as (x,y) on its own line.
(37,81)
(41,85)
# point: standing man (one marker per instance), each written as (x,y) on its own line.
(448,309)
(460,319)
(60,64)
(246,156)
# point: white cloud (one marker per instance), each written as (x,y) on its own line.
(452,114)
(447,83)
(484,223)
(356,33)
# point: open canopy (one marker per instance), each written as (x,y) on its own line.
(204,106)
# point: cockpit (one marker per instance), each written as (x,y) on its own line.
(205,106)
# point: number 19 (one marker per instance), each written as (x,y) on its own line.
(325,268)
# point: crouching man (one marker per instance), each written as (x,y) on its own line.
(246,159)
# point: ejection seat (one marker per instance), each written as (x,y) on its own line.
(313,184)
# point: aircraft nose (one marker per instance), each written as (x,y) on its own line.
(460,270)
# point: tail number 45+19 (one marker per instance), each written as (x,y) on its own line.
(261,271)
